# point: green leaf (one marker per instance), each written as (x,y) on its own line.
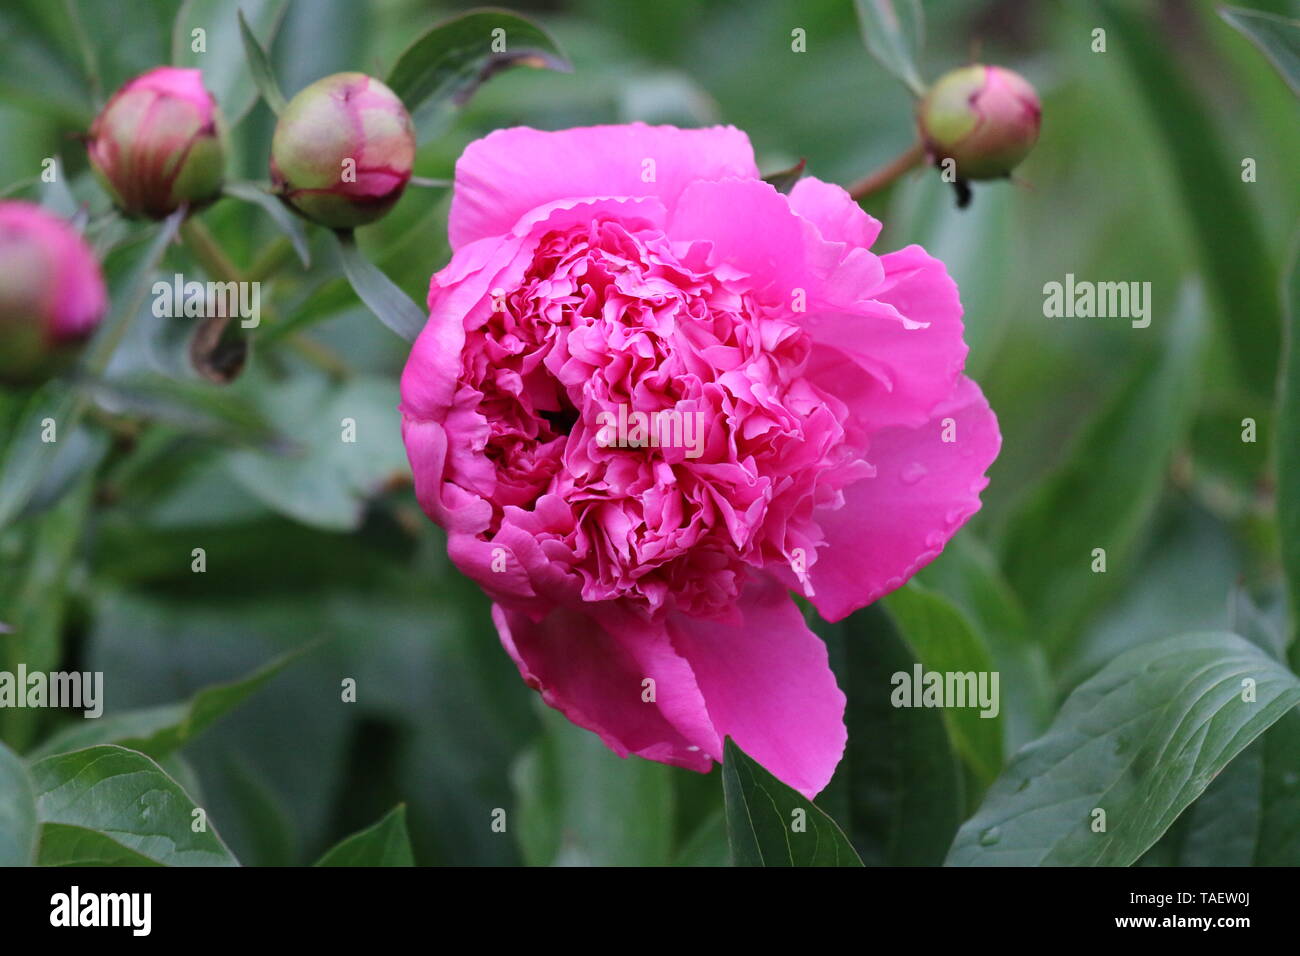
(128,799)
(1288,444)
(1140,740)
(159,731)
(579,804)
(1250,814)
(446,64)
(784,180)
(17,811)
(1105,492)
(770,824)
(226,76)
(260,66)
(899,788)
(1278,38)
(384,844)
(65,845)
(380,294)
(285,221)
(945,642)
(1236,259)
(893,31)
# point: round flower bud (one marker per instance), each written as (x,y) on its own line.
(159,142)
(984,118)
(51,293)
(343,150)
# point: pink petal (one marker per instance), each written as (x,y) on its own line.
(907,338)
(837,217)
(504,175)
(593,673)
(896,523)
(768,685)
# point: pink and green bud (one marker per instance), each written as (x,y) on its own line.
(983,118)
(159,143)
(51,293)
(343,151)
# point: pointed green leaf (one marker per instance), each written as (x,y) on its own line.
(945,642)
(286,221)
(893,31)
(384,844)
(259,65)
(17,811)
(1139,741)
(159,731)
(770,824)
(1278,38)
(380,294)
(128,799)
(444,66)
(225,74)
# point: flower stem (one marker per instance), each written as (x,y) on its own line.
(886,174)
(208,251)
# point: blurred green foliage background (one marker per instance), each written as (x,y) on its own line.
(1125,438)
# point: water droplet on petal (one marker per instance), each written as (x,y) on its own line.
(914,473)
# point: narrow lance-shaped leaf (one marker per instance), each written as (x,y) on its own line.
(946,644)
(443,67)
(380,294)
(893,31)
(384,844)
(227,77)
(1130,749)
(1278,38)
(770,824)
(259,65)
(159,731)
(285,220)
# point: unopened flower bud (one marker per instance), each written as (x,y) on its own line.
(343,151)
(51,293)
(984,118)
(159,142)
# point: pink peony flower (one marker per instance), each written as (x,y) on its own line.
(52,293)
(607,271)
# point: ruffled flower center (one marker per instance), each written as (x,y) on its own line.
(665,402)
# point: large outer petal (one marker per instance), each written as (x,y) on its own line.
(508,173)
(896,523)
(592,672)
(768,685)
